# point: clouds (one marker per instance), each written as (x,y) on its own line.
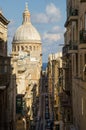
(52,14)
(40,18)
(50,38)
(55,29)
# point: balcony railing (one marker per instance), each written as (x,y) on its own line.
(66,66)
(67,92)
(73,45)
(65,104)
(83,36)
(72,15)
(64,100)
(65,49)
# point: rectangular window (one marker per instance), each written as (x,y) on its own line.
(73,64)
(5,68)
(77,64)
(81,23)
(81,64)
(85,58)
(82,107)
(85,21)
(73,34)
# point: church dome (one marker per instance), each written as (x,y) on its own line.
(26,33)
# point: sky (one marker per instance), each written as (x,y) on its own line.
(47,16)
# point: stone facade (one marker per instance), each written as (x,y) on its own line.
(74,64)
(54,65)
(27,63)
(7,90)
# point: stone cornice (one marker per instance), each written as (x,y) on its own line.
(3,19)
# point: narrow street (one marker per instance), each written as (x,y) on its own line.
(44,123)
(43,65)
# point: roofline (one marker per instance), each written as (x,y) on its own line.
(4,20)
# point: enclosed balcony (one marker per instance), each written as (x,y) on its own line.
(73,47)
(65,49)
(4,71)
(83,36)
(64,100)
(72,16)
(73,12)
(65,103)
(67,91)
(65,65)
(3,48)
(4,79)
(82,39)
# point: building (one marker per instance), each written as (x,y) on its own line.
(74,66)
(27,63)
(54,64)
(7,97)
(79,82)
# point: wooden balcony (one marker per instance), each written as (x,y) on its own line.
(4,71)
(64,100)
(66,66)
(73,47)
(65,50)
(65,104)
(82,36)
(60,94)
(73,16)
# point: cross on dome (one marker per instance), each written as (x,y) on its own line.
(26,6)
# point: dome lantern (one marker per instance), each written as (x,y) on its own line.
(26,15)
